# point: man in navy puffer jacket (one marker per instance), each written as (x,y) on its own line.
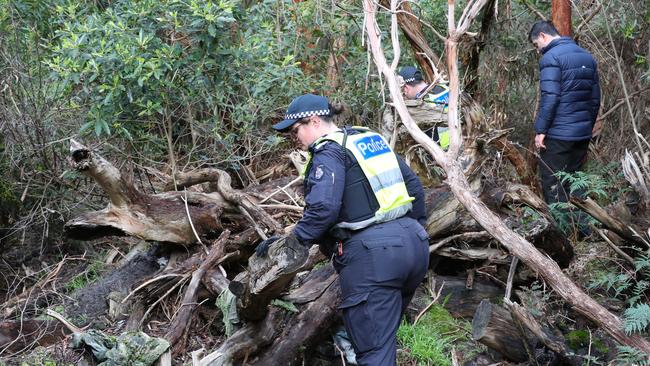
(569,103)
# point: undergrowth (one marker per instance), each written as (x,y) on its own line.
(431,340)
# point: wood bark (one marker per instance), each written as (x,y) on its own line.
(412,29)
(18,335)
(555,343)
(261,342)
(160,217)
(492,326)
(170,217)
(561,17)
(267,277)
(456,180)
(624,230)
(312,321)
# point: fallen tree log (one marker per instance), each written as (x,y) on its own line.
(267,277)
(284,330)
(18,335)
(179,326)
(626,231)
(171,217)
(493,326)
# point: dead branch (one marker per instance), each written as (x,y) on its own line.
(179,325)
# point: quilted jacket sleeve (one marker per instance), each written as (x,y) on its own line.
(550,76)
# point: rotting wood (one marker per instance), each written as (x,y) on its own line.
(261,341)
(493,327)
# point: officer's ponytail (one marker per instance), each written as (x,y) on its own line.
(337,111)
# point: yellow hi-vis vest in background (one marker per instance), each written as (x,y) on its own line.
(379,164)
(440,96)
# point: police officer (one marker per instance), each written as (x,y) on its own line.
(366,207)
(416,88)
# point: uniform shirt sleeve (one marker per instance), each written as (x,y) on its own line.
(550,79)
(325,184)
(415,190)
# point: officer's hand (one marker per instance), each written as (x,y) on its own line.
(263,247)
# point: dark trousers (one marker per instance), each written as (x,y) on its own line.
(559,155)
(379,270)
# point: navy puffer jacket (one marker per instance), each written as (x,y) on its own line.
(570,91)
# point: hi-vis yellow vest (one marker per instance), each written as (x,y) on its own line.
(441,98)
(379,165)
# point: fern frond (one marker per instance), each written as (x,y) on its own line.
(637,318)
(632,356)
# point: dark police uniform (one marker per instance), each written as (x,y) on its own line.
(379,266)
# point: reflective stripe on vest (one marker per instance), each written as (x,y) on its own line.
(379,165)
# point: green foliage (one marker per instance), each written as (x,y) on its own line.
(128,62)
(632,356)
(430,341)
(637,318)
(286,305)
(598,183)
(612,281)
(88,276)
(581,338)
(536,299)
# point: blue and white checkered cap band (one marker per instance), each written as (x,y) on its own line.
(409,80)
(321,112)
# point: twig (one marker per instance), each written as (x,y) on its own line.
(435,299)
(257,228)
(281,189)
(148,282)
(511,275)
(341,353)
(189,218)
(60,318)
(537,12)
(588,18)
(178,284)
(449,239)
(282,207)
(613,246)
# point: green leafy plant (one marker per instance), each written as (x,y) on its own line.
(637,318)
(632,356)
(88,276)
(431,340)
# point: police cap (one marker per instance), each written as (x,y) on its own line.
(410,74)
(301,107)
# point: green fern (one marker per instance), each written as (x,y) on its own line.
(639,291)
(632,356)
(618,282)
(637,318)
(642,262)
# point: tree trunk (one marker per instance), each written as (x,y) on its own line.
(412,28)
(561,17)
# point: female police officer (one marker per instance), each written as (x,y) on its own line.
(360,193)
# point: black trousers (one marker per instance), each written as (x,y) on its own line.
(559,155)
